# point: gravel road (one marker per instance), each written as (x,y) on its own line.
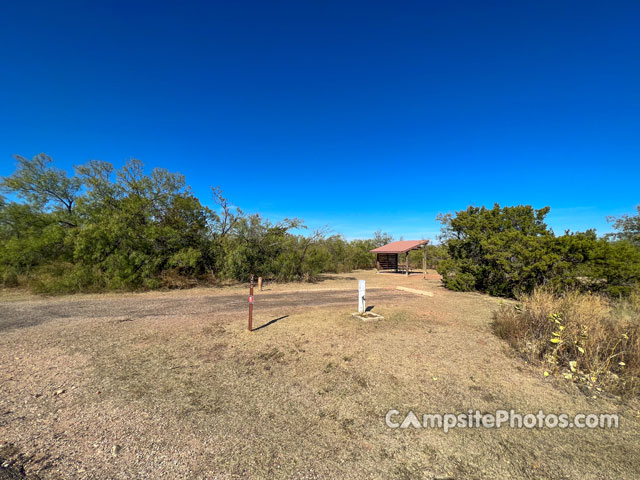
(15,315)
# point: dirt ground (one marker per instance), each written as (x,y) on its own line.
(171,385)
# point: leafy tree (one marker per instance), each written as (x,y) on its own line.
(628,227)
(436,254)
(381,238)
(43,186)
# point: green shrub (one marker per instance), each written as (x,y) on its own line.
(9,277)
(62,277)
(508,251)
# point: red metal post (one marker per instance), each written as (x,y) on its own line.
(251,304)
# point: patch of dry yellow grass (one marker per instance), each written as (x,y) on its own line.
(584,337)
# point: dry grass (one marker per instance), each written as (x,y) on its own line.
(586,338)
(187,393)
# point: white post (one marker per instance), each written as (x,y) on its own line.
(361,300)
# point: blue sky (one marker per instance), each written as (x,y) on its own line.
(357,115)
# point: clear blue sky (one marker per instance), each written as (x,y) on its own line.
(360,115)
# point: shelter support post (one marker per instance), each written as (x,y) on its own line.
(424,261)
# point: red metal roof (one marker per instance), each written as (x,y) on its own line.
(403,246)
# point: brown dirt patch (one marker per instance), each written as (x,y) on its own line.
(170,385)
